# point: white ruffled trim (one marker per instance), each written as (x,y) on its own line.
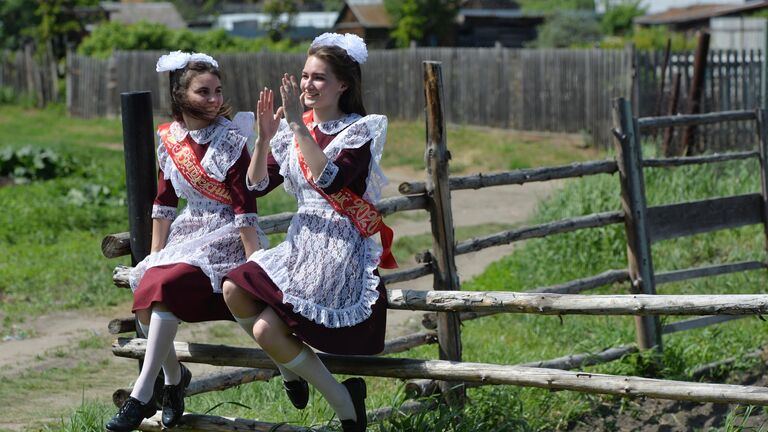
(225,140)
(328,175)
(245,122)
(163,212)
(333,318)
(355,137)
(260,186)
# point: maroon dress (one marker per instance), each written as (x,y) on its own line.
(186,289)
(364,338)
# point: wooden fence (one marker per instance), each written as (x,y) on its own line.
(30,74)
(732,81)
(545,90)
(449,307)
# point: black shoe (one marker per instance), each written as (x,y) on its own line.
(173,399)
(298,392)
(358,393)
(131,415)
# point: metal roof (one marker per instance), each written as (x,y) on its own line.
(159,12)
(698,12)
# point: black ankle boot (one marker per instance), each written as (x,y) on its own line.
(131,415)
(173,399)
(298,392)
(358,393)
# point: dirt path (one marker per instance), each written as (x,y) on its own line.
(57,336)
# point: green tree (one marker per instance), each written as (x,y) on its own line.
(564,30)
(557,5)
(618,16)
(17,23)
(428,22)
(277,27)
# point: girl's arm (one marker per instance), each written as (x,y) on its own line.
(293,109)
(267,121)
(160,230)
(250,239)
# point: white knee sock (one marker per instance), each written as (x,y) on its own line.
(162,331)
(247,325)
(309,366)
(171,365)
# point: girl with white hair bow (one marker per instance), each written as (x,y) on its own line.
(320,287)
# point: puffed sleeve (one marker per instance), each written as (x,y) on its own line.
(349,168)
(243,202)
(166,200)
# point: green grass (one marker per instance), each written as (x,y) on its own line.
(480,149)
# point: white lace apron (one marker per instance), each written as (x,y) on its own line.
(324,268)
(206,233)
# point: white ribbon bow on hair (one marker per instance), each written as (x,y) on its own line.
(353,44)
(178,60)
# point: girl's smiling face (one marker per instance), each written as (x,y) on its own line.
(321,89)
(204,94)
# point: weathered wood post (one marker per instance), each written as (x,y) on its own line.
(696,91)
(633,202)
(439,206)
(140,172)
(762,142)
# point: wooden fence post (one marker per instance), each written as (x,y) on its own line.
(140,171)
(762,142)
(439,205)
(633,202)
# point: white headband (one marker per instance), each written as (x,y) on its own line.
(351,43)
(178,60)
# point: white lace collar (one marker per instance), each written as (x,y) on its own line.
(333,127)
(200,136)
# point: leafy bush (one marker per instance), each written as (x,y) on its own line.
(32,163)
(572,29)
(112,36)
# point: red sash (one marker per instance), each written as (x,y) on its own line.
(364,215)
(186,162)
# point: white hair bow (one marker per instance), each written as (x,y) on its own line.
(351,43)
(178,60)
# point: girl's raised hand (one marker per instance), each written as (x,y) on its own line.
(267,120)
(293,99)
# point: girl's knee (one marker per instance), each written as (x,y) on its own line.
(230,290)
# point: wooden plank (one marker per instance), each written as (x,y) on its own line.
(664,222)
(633,203)
(698,323)
(577,304)
(537,231)
(470,372)
(649,123)
(519,176)
(697,160)
(680,275)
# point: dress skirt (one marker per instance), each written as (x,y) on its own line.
(185,290)
(365,338)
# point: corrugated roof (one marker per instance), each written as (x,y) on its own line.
(371,14)
(130,13)
(698,12)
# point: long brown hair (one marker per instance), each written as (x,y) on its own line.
(347,71)
(179,84)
